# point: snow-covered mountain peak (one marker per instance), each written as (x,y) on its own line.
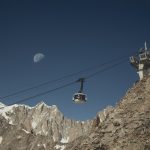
(2,105)
(44,120)
(40,104)
(54,106)
(46,109)
(6,110)
(43,104)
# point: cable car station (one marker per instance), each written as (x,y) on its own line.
(141,62)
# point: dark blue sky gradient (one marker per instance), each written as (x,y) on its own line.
(73,35)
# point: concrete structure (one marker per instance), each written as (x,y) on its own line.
(141,62)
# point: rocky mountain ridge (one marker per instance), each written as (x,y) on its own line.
(125,127)
(44,120)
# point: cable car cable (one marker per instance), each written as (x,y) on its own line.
(80,97)
(107,68)
(43,93)
(64,77)
(68,84)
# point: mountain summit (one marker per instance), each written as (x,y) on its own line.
(43,127)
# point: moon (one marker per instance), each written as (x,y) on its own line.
(38,57)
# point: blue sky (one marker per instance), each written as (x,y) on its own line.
(73,35)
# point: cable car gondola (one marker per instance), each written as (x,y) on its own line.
(80,97)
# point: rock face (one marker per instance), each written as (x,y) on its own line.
(124,127)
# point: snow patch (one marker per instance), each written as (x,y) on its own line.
(11,122)
(39,105)
(1,139)
(25,131)
(34,124)
(44,131)
(61,147)
(54,106)
(44,145)
(64,140)
(8,109)
(19,137)
(54,139)
(5,112)
(54,109)
(39,133)
(26,106)
(2,105)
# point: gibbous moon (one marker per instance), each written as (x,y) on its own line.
(38,57)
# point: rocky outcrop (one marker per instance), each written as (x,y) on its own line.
(125,127)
